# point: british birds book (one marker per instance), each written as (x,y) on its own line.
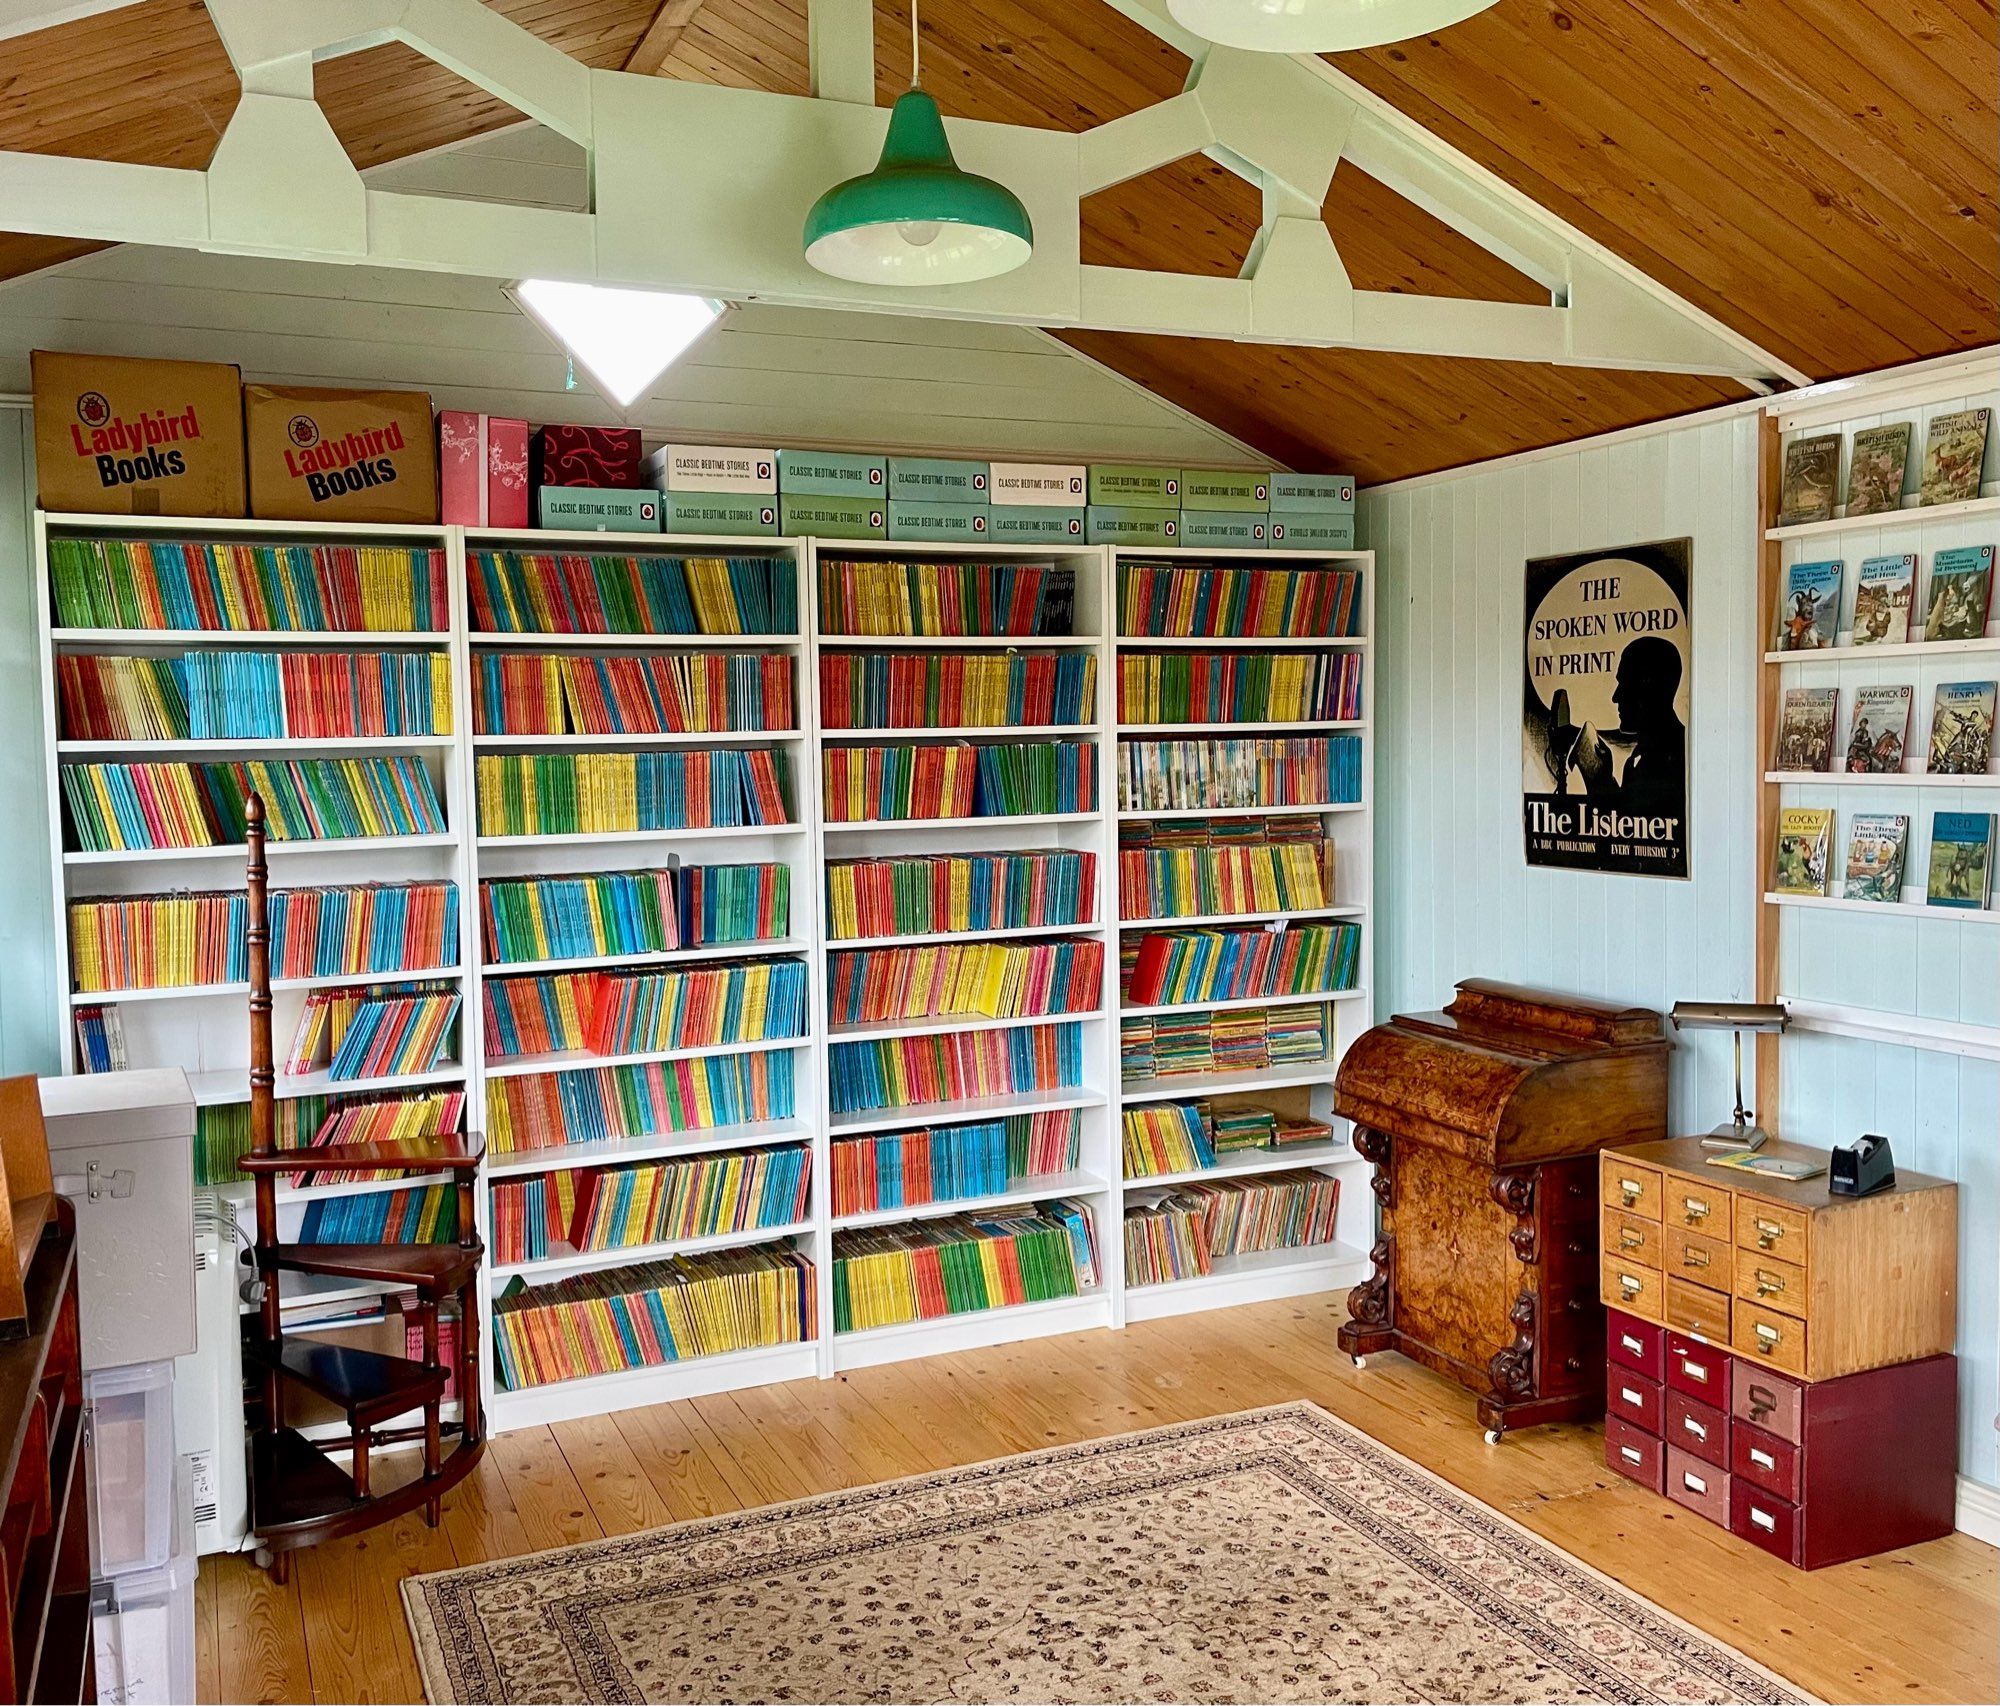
(1961,588)
(1881,726)
(1875,843)
(1883,593)
(1954,451)
(1805,729)
(1810,617)
(1961,859)
(1875,469)
(1812,477)
(1805,835)
(1962,728)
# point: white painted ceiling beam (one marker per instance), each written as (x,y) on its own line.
(840,48)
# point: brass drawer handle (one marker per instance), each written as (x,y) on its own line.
(1768,1232)
(1763,1459)
(1694,1427)
(1631,1190)
(1631,1344)
(1767,1335)
(1695,1208)
(1693,1258)
(1694,1370)
(1769,1284)
(1630,1240)
(1629,1286)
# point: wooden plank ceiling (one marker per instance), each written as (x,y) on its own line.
(1820,175)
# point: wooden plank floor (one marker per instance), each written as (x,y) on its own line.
(1916,1625)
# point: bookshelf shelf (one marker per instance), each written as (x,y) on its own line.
(644,962)
(1255,1278)
(1019,820)
(1243,643)
(268,639)
(633,642)
(935,938)
(1944,650)
(962,1111)
(286,746)
(611,837)
(203,991)
(1025,1191)
(221,1086)
(700,1141)
(957,642)
(1187,731)
(232,527)
(983,731)
(1970,509)
(631,1388)
(1867,1024)
(1249,1163)
(1202,919)
(931,1026)
(1887,908)
(616,743)
(1182,1085)
(1235,1002)
(275,850)
(567,1060)
(1323,808)
(975,1328)
(630,1256)
(1878,779)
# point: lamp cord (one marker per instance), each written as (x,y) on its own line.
(915,80)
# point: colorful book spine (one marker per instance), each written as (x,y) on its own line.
(1265,770)
(946,600)
(991,980)
(236,588)
(865,784)
(927,894)
(608,592)
(1165,1137)
(611,1104)
(242,695)
(946,690)
(617,1012)
(384,1031)
(426,1216)
(578,917)
(917,1071)
(1238,687)
(1205,868)
(683,692)
(100,1039)
(121,698)
(1177,967)
(1241,1039)
(721,904)
(936,1164)
(405,1118)
(1203,601)
(118,807)
(652,1314)
(608,793)
(1181,1233)
(956,1265)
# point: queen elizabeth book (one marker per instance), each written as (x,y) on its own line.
(1880,728)
(1882,597)
(1875,469)
(1805,837)
(1961,860)
(1805,729)
(1954,452)
(1962,729)
(1961,588)
(1875,843)
(1812,478)
(1810,617)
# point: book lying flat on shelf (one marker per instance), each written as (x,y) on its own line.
(1961,589)
(1961,871)
(1805,729)
(1809,619)
(1880,729)
(1811,480)
(1767,1166)
(1962,728)
(1876,465)
(1882,598)
(1954,452)
(1804,844)
(1875,843)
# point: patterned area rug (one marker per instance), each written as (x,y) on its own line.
(1278,1555)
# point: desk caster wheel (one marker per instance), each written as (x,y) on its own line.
(1360,1362)
(1493,1436)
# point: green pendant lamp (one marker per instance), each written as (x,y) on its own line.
(917,219)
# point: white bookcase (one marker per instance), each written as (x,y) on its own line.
(206,1029)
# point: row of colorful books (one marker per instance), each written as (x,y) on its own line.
(946,600)
(1238,1039)
(1175,967)
(1178,1137)
(956,690)
(405,1117)
(678,692)
(425,1216)
(606,793)
(652,1314)
(1238,687)
(379,1031)
(222,1129)
(1181,1233)
(614,1011)
(225,588)
(928,894)
(919,1071)
(952,779)
(161,941)
(1202,601)
(949,1163)
(117,807)
(884,1276)
(592,913)
(1262,770)
(614,1104)
(543,592)
(988,980)
(1205,867)
(1961,742)
(100,1039)
(1961,856)
(1955,607)
(583,1210)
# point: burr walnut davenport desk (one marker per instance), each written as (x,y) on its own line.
(1484,1123)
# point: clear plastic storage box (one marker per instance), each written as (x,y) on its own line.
(131,1420)
(143,1622)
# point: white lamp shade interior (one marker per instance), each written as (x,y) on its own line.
(907,253)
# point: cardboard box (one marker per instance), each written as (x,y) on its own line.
(1128,524)
(604,457)
(1034,524)
(1212,489)
(832,517)
(1059,485)
(586,509)
(118,436)
(953,523)
(832,474)
(325,455)
(712,468)
(1125,485)
(1225,529)
(482,469)
(1312,532)
(728,513)
(930,479)
(1318,494)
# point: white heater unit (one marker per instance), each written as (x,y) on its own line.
(208,1386)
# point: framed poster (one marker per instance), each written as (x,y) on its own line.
(1604,771)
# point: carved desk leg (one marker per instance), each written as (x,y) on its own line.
(1370,1325)
(1512,1369)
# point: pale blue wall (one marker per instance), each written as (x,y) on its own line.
(1457,899)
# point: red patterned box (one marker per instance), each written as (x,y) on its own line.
(587,456)
(483,469)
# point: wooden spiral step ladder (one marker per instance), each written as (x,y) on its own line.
(298,1495)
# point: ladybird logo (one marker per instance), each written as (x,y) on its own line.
(1263,491)
(93,408)
(1173,529)
(874,476)
(303,431)
(875,519)
(1173,487)
(1076,485)
(767,516)
(649,512)
(979,524)
(1075,527)
(763,470)
(979,482)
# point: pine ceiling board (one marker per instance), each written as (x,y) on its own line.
(1387,243)
(1078,65)
(1190,217)
(747,46)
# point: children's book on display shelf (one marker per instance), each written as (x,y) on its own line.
(1800,861)
(1883,594)
(1962,728)
(1876,467)
(1961,588)
(1812,480)
(1880,729)
(1809,619)
(1954,453)
(1805,729)
(1875,844)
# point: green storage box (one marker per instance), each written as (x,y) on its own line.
(1034,524)
(1225,530)
(1058,485)
(719,513)
(832,474)
(1312,532)
(1127,486)
(833,518)
(1319,494)
(954,524)
(595,509)
(1126,524)
(930,479)
(1212,489)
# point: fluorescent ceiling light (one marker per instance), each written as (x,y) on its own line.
(624,339)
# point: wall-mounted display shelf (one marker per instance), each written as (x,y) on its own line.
(1967,509)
